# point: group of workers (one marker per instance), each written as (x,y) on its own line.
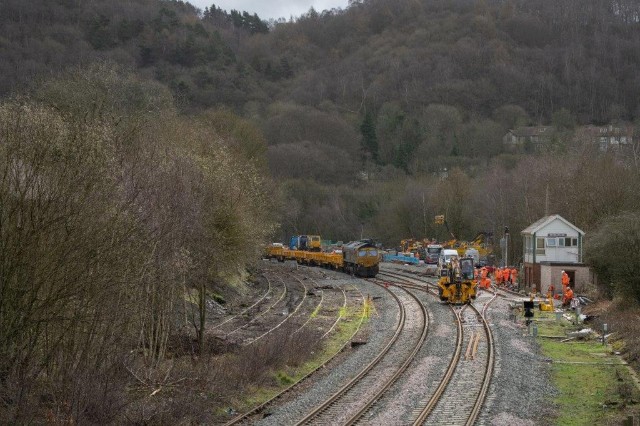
(509,276)
(503,276)
(482,277)
(506,275)
(567,291)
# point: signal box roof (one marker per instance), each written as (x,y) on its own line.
(541,223)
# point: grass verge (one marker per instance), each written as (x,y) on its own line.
(594,385)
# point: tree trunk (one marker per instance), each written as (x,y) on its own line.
(203,312)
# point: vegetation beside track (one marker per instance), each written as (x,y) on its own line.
(594,384)
(351,319)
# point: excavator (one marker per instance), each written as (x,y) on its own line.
(410,245)
(482,242)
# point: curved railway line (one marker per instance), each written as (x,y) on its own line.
(239,322)
(246,310)
(246,417)
(269,319)
(353,400)
(290,315)
(461,393)
(455,396)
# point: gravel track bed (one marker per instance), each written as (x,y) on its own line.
(358,396)
(260,292)
(243,318)
(521,389)
(300,303)
(288,293)
(418,383)
(377,332)
(288,304)
(329,299)
(458,400)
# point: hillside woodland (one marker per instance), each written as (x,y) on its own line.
(148,149)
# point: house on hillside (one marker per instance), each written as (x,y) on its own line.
(551,245)
(529,139)
(606,138)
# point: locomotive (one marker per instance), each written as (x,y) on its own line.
(359,258)
(457,284)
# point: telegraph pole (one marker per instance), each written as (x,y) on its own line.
(506,246)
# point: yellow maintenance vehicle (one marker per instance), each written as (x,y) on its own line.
(410,245)
(482,242)
(457,284)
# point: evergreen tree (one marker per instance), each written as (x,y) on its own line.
(369,138)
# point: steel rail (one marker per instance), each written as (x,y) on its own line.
(403,367)
(489,365)
(446,379)
(350,384)
(287,318)
(344,305)
(284,293)
(247,309)
(241,417)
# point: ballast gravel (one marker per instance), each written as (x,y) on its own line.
(520,392)
(378,330)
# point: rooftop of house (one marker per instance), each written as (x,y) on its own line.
(533,131)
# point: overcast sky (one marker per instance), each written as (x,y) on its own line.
(267,9)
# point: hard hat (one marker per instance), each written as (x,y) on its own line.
(563,270)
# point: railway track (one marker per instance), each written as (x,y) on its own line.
(460,395)
(246,417)
(352,401)
(246,310)
(457,398)
(240,321)
(290,303)
(463,390)
(289,316)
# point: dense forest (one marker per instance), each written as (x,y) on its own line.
(148,149)
(382,93)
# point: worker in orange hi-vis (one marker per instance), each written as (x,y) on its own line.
(514,275)
(506,273)
(565,280)
(484,272)
(486,283)
(568,295)
(498,276)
